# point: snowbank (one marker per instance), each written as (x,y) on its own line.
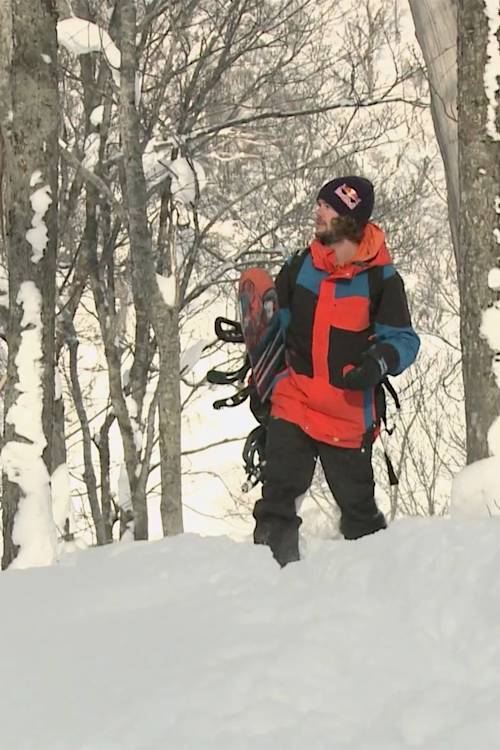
(388,643)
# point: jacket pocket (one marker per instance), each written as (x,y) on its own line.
(345,348)
(351,313)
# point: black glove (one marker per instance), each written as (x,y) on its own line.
(367,374)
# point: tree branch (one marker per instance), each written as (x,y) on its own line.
(303,113)
(92,179)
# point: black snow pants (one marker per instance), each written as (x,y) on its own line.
(288,472)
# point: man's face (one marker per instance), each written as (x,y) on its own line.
(326,224)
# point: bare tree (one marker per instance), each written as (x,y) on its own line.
(29,124)
(215,81)
(436,30)
(479,163)
(456,73)
(162,313)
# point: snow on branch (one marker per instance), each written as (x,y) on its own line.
(168,288)
(40,200)
(92,178)
(80,37)
(187,175)
(22,460)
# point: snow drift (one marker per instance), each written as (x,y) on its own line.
(387,643)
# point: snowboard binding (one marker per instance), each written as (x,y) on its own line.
(261,332)
(229,331)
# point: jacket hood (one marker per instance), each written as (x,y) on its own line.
(372,251)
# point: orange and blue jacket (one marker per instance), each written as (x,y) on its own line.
(333,315)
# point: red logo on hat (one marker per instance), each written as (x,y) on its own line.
(348,196)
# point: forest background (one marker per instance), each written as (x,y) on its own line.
(153,150)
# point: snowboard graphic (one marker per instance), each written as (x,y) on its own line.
(260,324)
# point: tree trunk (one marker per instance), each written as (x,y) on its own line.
(29,112)
(169,408)
(112,352)
(162,316)
(436,31)
(88,472)
(108,511)
(61,506)
(479,165)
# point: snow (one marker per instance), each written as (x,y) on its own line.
(167,287)
(184,173)
(40,200)
(124,495)
(490,326)
(494,279)
(26,412)
(475,490)
(91,150)
(36,178)
(387,643)
(136,426)
(96,115)
(22,461)
(494,438)
(80,37)
(155,159)
(58,385)
(191,356)
(491,85)
(61,495)
(4,288)
(496,369)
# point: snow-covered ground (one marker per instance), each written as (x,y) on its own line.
(388,643)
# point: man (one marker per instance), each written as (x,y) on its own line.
(347,327)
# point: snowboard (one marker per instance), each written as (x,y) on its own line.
(261,329)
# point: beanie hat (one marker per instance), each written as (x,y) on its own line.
(350,196)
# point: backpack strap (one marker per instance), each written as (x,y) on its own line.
(376,284)
(295,264)
(393,394)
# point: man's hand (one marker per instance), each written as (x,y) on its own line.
(367,374)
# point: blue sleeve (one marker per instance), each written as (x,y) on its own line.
(395,338)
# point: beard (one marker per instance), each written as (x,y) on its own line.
(331,232)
